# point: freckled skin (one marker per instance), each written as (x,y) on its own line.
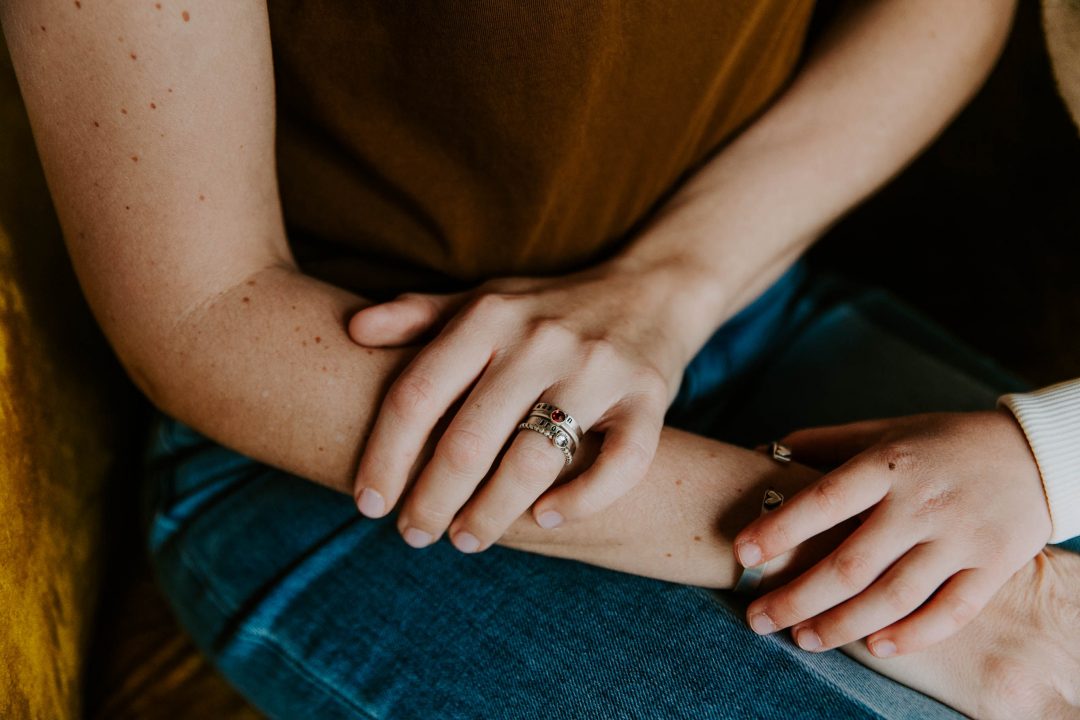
(185,15)
(96,124)
(153,106)
(135,158)
(133,57)
(123,111)
(697,538)
(247,299)
(78,5)
(318,339)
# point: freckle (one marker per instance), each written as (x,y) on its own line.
(157,5)
(678,482)
(127,207)
(370,351)
(42,28)
(96,124)
(892,466)
(170,89)
(296,329)
(135,158)
(293,307)
(247,299)
(153,106)
(304,343)
(318,339)
(321,448)
(162,134)
(123,111)
(185,15)
(250,282)
(667,554)
(697,538)
(203,198)
(78,5)
(324,368)
(132,56)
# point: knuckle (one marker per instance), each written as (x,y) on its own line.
(600,355)
(425,516)
(898,456)
(549,332)
(931,497)
(485,307)
(411,393)
(533,466)
(852,570)
(652,383)
(900,595)
(462,449)
(960,609)
(829,494)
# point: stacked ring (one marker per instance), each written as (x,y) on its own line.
(555,424)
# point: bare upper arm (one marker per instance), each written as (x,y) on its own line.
(155,126)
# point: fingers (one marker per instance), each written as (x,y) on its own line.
(469,445)
(844,573)
(835,497)
(627,451)
(959,600)
(895,595)
(832,445)
(528,468)
(401,321)
(416,400)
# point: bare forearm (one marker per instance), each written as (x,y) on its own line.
(875,90)
(267,369)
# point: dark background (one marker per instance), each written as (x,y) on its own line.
(981,232)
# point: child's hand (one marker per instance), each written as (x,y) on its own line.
(952,506)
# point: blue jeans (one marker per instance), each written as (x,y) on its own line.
(312,611)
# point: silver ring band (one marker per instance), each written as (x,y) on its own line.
(560,417)
(559,437)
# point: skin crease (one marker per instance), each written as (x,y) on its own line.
(196,227)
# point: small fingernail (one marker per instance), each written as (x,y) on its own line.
(762,624)
(749,554)
(417,537)
(883,648)
(808,639)
(549,519)
(371,503)
(466,542)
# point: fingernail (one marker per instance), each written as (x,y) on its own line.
(749,554)
(808,639)
(549,519)
(371,503)
(416,537)
(762,624)
(883,648)
(466,542)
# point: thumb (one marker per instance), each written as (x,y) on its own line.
(830,446)
(401,321)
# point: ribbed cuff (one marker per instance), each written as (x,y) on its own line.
(1050,418)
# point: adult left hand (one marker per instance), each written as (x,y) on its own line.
(597,344)
(952,504)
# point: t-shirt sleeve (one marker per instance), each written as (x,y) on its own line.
(1050,418)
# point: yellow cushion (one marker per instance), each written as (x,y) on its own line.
(54,445)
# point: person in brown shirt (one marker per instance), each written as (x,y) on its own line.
(577,201)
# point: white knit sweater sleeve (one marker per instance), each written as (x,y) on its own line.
(1050,418)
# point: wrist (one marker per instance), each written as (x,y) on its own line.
(681,292)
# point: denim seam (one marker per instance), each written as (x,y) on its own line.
(273,644)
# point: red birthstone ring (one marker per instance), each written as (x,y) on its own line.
(560,418)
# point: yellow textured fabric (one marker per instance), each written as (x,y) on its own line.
(54,452)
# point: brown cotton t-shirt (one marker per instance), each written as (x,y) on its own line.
(431,145)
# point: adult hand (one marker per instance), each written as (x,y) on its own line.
(952,505)
(598,344)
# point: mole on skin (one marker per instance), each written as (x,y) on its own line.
(185,15)
(247,299)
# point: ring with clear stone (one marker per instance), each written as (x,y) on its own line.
(558,436)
